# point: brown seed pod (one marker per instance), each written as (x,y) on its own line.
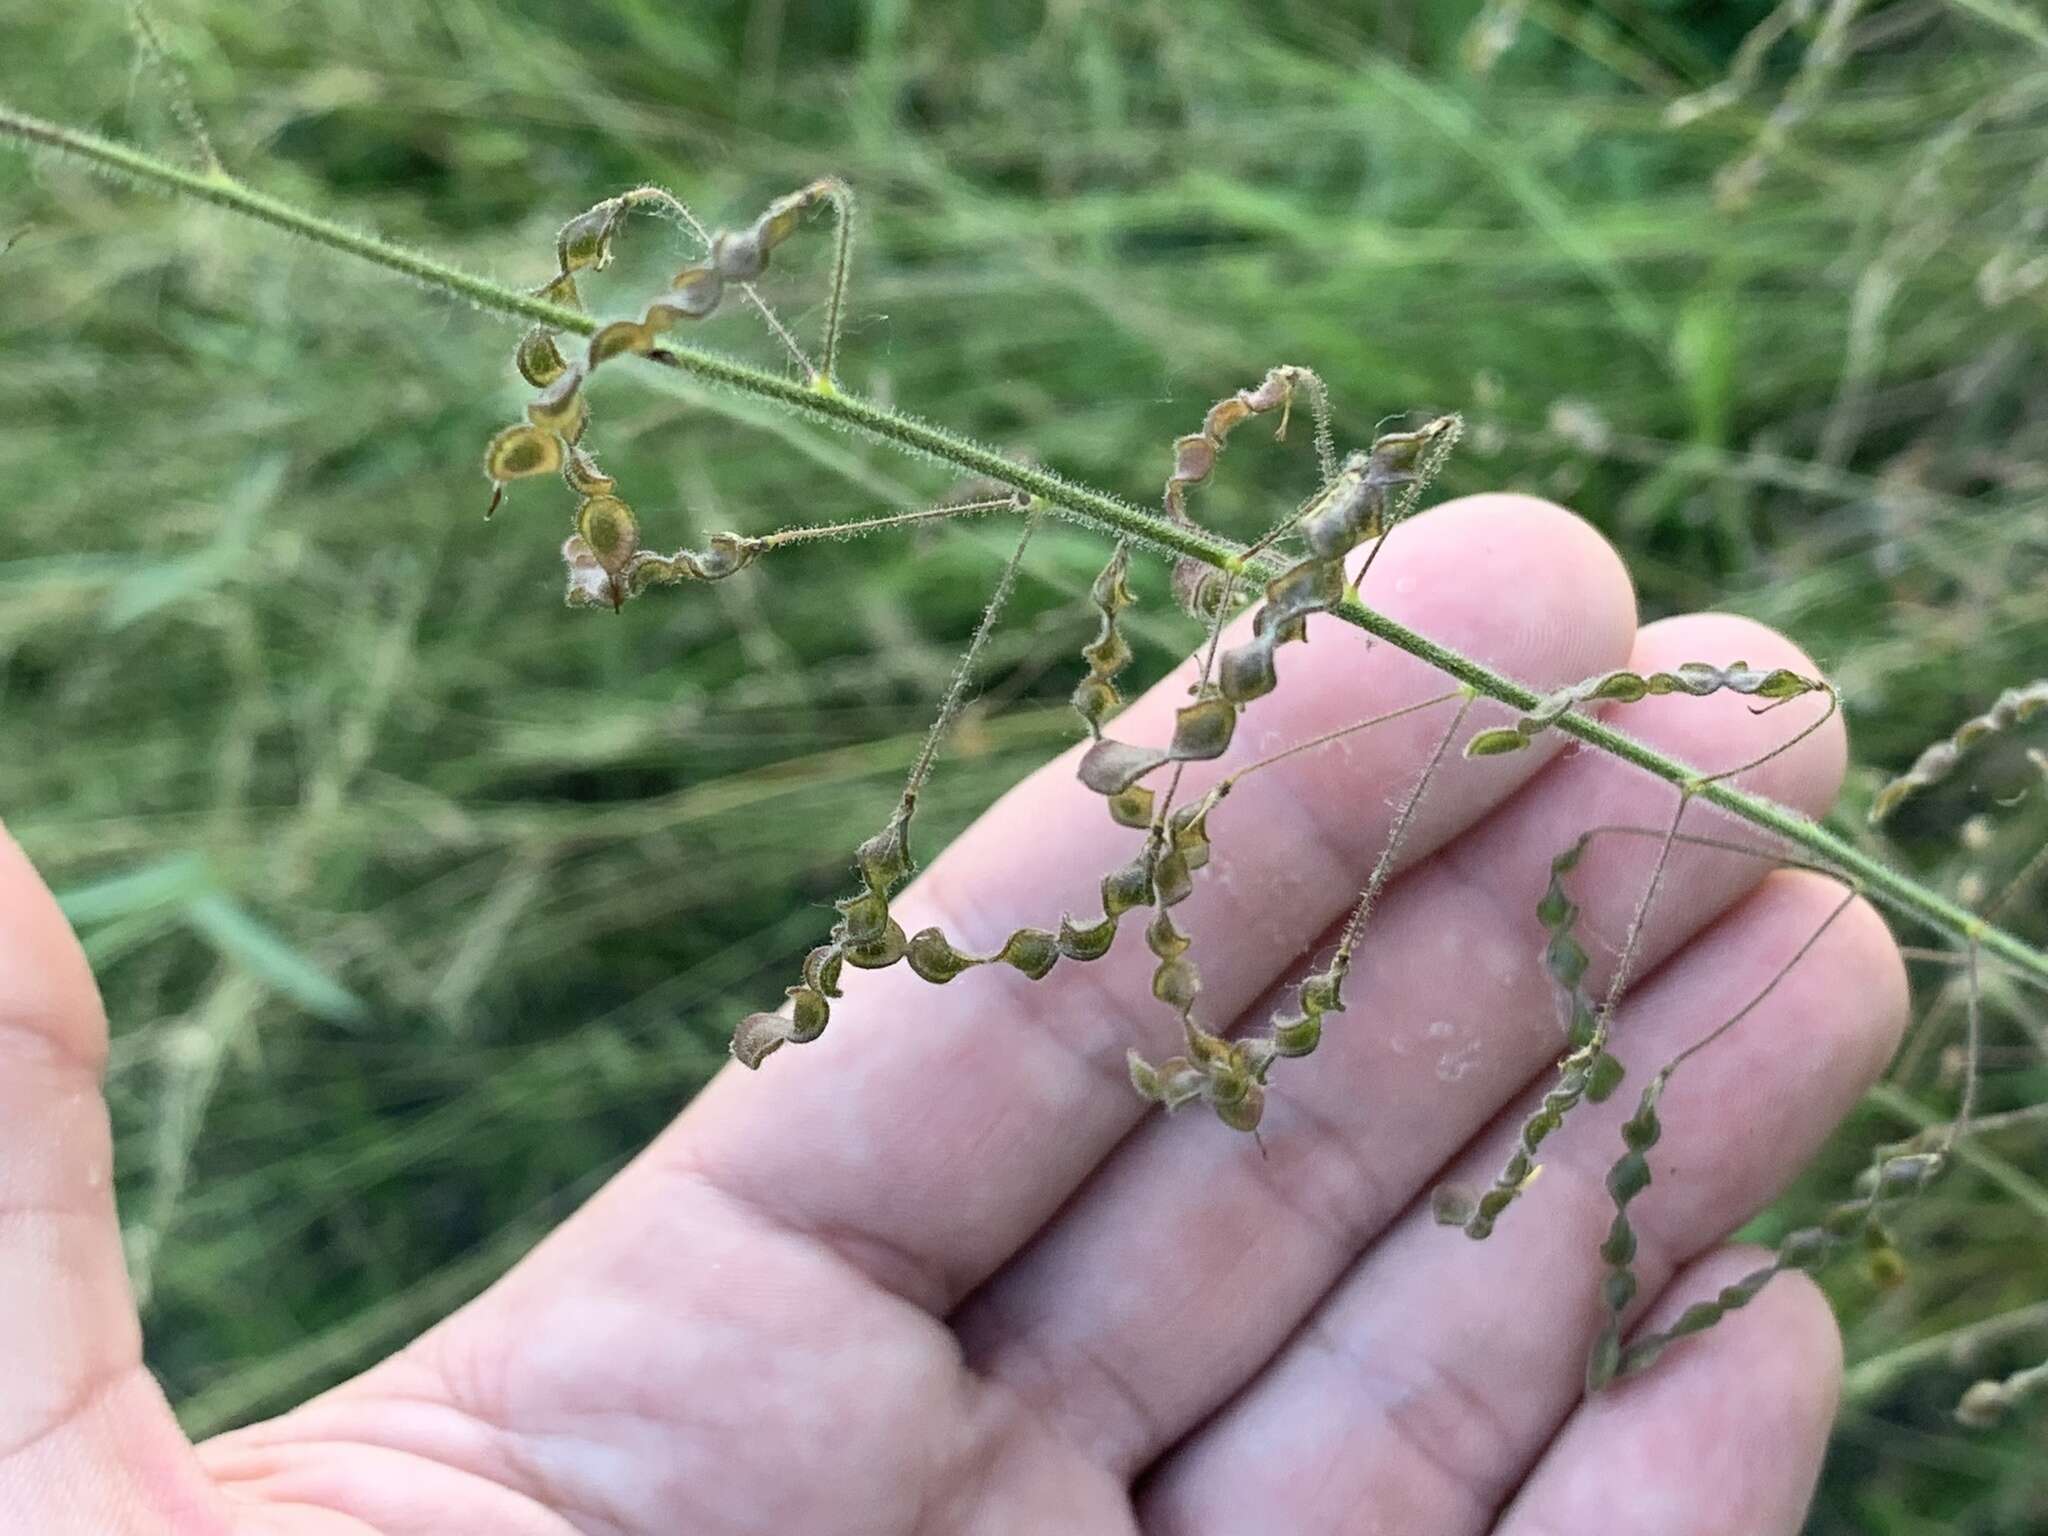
(1096,696)
(1351,508)
(1588,1072)
(1200,588)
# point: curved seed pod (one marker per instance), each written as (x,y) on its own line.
(726,554)
(2011,708)
(1808,1248)
(740,256)
(1229,1076)
(620,336)
(1108,653)
(1201,730)
(586,240)
(1989,1401)
(582,475)
(1033,951)
(539,360)
(866,935)
(1696,678)
(1359,504)
(1351,509)
(1589,1072)
(1199,588)
(517,452)
(585,244)
(561,408)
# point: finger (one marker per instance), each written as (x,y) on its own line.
(1728,1438)
(86,1442)
(1183,1236)
(931,1130)
(1433,1375)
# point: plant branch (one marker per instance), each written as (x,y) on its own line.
(1084,503)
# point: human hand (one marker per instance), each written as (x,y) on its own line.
(940,1272)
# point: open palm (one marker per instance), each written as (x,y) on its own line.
(940,1272)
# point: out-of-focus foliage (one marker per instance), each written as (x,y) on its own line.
(420,901)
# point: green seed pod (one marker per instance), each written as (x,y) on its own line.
(619,337)
(561,408)
(1090,943)
(1031,951)
(1108,653)
(608,526)
(1588,1071)
(693,294)
(1694,678)
(1111,767)
(518,452)
(586,240)
(539,360)
(1452,1205)
(934,959)
(1127,887)
(1132,807)
(582,475)
(1297,1037)
(1241,1105)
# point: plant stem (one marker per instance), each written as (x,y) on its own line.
(1084,503)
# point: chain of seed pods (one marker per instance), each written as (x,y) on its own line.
(1352,509)
(1590,1072)
(2012,708)
(1230,1075)
(1694,678)
(1197,586)
(1808,1248)
(868,937)
(605,561)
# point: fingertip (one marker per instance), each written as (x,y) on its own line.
(1526,585)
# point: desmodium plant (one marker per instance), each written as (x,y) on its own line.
(1298,573)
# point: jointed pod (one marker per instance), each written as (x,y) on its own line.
(606,564)
(1359,503)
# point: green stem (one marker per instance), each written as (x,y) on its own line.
(1084,503)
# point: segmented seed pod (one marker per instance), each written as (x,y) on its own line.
(538,359)
(1096,696)
(514,454)
(1807,1248)
(2012,708)
(1588,1072)
(1695,678)
(1351,509)
(561,408)
(1198,587)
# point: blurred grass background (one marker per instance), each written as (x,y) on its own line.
(420,902)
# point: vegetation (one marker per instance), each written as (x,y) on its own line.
(419,903)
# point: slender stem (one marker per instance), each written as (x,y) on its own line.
(1083,503)
(1383,871)
(810,533)
(1341,732)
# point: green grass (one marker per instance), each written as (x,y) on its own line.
(420,902)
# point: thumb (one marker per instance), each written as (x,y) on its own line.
(86,1440)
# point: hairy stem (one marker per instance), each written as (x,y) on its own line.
(1083,503)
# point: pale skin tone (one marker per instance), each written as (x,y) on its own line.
(940,1272)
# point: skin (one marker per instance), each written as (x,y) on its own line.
(940,1272)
